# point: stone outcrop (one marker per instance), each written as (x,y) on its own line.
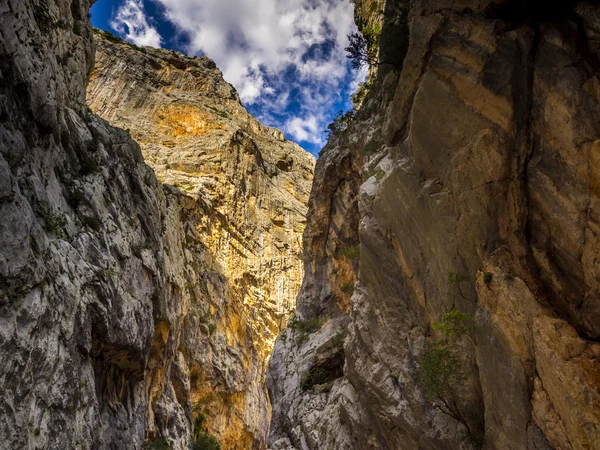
(244,189)
(467,182)
(120,309)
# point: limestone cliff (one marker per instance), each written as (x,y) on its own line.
(244,186)
(251,183)
(451,297)
(119,308)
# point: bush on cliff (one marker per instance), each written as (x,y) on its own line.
(202,439)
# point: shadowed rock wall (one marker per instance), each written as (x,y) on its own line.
(469,181)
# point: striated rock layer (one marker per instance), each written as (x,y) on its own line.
(119,307)
(467,181)
(244,189)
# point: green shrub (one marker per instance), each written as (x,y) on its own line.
(201,438)
(349,252)
(439,369)
(373,146)
(339,338)
(361,93)
(206,442)
(306,326)
(135,47)
(212,328)
(88,165)
(487,277)
(218,112)
(340,122)
(315,376)
(456,278)
(93,223)
(348,288)
(157,444)
(377,173)
(75,198)
(55,224)
(454,324)
(303,328)
(78,28)
(111,272)
(372,32)
(440,373)
(111,37)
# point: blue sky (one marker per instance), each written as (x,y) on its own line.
(285,57)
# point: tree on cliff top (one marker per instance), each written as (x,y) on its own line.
(358,51)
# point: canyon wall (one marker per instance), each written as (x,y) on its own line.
(130,309)
(451,297)
(451,284)
(245,189)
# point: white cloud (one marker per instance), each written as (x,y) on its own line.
(276,53)
(307,129)
(131,22)
(360,77)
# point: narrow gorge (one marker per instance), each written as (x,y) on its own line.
(176,275)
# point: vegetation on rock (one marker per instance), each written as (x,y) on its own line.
(454,324)
(340,123)
(202,439)
(159,443)
(303,328)
(456,278)
(487,277)
(441,369)
(351,252)
(348,288)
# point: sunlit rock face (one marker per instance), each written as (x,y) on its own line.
(123,301)
(250,183)
(245,189)
(467,181)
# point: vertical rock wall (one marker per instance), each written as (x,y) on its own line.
(245,188)
(473,171)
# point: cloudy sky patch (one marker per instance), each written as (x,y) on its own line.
(285,57)
(130,22)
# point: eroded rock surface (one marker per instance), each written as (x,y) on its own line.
(245,189)
(120,306)
(468,182)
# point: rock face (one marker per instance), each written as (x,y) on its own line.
(466,187)
(119,307)
(244,189)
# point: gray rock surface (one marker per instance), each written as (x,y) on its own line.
(471,186)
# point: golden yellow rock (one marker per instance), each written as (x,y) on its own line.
(246,187)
